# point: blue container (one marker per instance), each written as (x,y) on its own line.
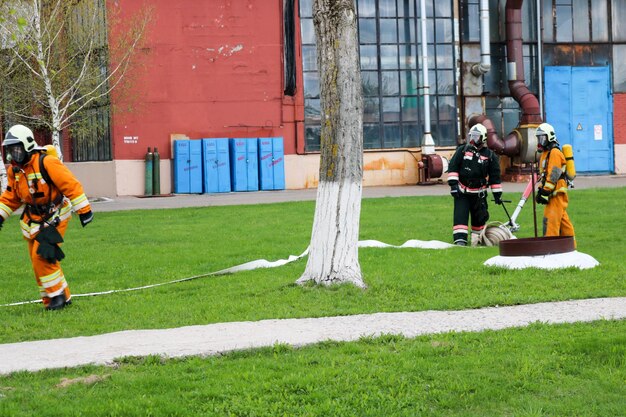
(187,166)
(271,164)
(244,170)
(216,172)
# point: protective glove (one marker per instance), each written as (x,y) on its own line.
(86,218)
(455,191)
(497,198)
(542,196)
(49,239)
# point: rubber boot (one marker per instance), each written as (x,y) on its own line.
(56,303)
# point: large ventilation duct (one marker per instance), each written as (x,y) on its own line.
(521,142)
(515,65)
(510,146)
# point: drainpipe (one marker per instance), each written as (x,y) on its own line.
(531,114)
(428,144)
(485,39)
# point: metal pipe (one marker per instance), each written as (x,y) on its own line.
(428,144)
(485,41)
(531,113)
(510,146)
(540,56)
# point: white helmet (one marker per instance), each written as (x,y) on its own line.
(546,136)
(477,135)
(18,143)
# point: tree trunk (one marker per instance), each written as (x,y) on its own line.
(333,252)
(3,175)
(56,142)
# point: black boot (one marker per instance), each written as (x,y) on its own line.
(56,303)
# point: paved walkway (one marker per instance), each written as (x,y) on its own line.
(224,337)
(264,197)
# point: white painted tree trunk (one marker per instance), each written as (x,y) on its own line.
(56,142)
(3,175)
(333,252)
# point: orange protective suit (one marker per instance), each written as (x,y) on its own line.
(556,222)
(44,204)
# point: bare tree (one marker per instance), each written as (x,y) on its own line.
(333,252)
(57,60)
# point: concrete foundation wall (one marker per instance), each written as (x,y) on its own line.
(126,177)
(98,178)
(620,159)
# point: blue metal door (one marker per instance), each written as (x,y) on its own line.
(579,105)
(181,166)
(278,162)
(216,173)
(209,165)
(223,166)
(266,170)
(238,165)
(195,166)
(252,165)
(271,164)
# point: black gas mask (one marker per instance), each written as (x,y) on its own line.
(542,143)
(16,153)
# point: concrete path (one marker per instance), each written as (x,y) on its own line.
(266,197)
(223,337)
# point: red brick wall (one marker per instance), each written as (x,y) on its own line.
(208,69)
(619,117)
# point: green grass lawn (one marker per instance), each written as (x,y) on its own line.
(573,370)
(564,370)
(134,248)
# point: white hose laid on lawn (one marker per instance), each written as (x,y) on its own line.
(564,260)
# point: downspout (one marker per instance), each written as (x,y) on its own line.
(531,114)
(485,41)
(428,144)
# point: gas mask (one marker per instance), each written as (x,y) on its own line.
(15,153)
(475,139)
(542,143)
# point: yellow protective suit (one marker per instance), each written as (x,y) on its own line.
(556,222)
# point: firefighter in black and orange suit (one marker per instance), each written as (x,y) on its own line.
(472,169)
(553,186)
(48,209)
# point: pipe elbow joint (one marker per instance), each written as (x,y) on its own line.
(480,69)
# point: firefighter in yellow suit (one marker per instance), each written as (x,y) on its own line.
(553,187)
(49,192)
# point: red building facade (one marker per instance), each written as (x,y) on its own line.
(222,68)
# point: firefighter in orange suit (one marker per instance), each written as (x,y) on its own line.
(49,192)
(553,186)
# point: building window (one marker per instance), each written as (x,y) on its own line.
(618,16)
(619,71)
(91,130)
(566,21)
(389,40)
(471,20)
